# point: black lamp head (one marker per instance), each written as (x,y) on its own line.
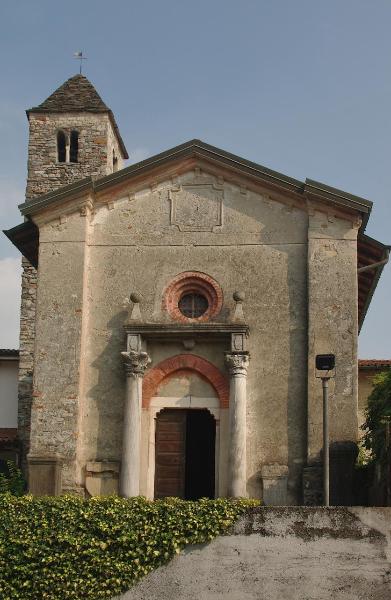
(325,362)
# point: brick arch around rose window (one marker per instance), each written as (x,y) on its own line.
(193,282)
(197,364)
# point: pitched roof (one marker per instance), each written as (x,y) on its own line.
(374,363)
(8,353)
(77,94)
(370,251)
(26,236)
(200,149)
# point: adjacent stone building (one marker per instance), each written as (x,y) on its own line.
(168,338)
(9,362)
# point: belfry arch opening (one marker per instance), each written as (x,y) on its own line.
(61,147)
(74,147)
(185,454)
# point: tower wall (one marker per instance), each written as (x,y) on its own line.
(97,144)
(26,355)
(95,156)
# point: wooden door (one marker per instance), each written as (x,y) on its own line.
(170,453)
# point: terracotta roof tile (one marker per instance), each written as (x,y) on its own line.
(8,434)
(374,363)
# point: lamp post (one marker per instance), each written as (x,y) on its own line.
(325,367)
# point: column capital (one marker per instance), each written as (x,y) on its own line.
(237,362)
(135,363)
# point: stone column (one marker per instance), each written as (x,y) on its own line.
(135,365)
(237,363)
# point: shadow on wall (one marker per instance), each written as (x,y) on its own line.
(281,411)
(279,408)
(297,405)
(288,336)
(103,426)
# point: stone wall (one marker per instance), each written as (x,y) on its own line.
(281,554)
(96,144)
(26,355)
(113,150)
(58,371)
(97,141)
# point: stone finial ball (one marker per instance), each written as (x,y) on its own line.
(239,296)
(135,298)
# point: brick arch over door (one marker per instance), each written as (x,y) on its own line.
(199,365)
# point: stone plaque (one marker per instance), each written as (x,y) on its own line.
(238,342)
(134,343)
(196,207)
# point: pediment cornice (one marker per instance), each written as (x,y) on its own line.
(308,194)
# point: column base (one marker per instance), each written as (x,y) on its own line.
(275,484)
(102,478)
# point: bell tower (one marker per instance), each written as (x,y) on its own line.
(72,135)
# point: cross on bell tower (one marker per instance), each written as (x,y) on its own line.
(79,56)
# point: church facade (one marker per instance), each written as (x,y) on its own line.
(171,315)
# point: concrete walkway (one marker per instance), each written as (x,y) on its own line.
(284,553)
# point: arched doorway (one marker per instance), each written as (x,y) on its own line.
(185,454)
(187,383)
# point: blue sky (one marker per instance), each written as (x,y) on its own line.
(302,87)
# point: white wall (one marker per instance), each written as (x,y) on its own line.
(9,393)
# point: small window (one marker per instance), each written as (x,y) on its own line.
(74,147)
(115,162)
(61,147)
(193,305)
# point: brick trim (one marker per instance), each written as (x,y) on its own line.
(200,365)
(192,282)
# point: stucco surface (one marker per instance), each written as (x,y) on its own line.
(272,250)
(283,554)
(261,249)
(332,326)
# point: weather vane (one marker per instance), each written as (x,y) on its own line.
(79,56)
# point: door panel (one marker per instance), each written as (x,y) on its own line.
(170,453)
(185,454)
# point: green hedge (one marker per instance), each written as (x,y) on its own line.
(12,480)
(379,407)
(67,547)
